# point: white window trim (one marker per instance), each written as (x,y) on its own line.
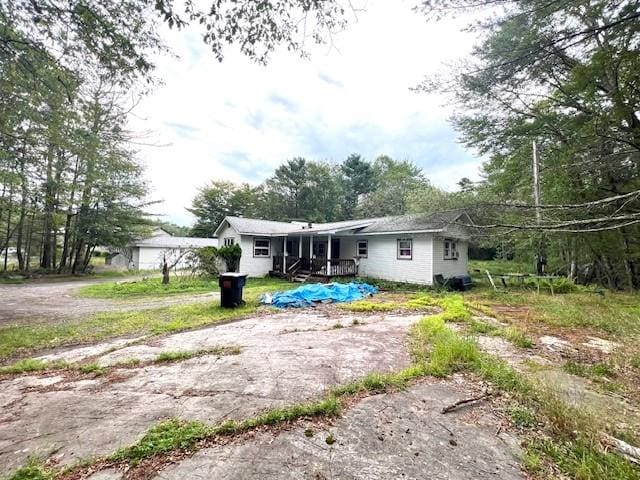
(404,257)
(366,248)
(228,241)
(268,247)
(453,249)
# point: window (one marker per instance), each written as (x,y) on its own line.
(405,249)
(450,249)
(228,241)
(261,247)
(362,248)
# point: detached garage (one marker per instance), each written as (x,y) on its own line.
(148,253)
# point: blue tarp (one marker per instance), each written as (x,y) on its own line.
(305,295)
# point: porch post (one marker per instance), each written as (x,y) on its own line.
(300,247)
(284,257)
(329,255)
(311,252)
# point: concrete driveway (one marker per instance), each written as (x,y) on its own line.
(284,358)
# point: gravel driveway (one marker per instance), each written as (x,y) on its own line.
(58,302)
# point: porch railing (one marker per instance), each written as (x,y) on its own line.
(343,267)
(316,266)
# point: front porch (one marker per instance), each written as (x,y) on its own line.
(317,267)
(312,256)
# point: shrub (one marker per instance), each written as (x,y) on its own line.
(231,255)
(209,259)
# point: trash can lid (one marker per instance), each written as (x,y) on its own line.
(233,275)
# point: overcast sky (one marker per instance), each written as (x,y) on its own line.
(238,121)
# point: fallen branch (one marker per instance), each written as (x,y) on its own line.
(467,401)
(622,448)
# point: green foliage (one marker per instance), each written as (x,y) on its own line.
(220,199)
(585,125)
(207,258)
(231,255)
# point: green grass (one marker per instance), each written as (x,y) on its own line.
(153,287)
(14,339)
(164,437)
(180,355)
(500,267)
(24,366)
(388,285)
(522,416)
(33,470)
(174,434)
(616,314)
(34,365)
(367,306)
(516,336)
(420,301)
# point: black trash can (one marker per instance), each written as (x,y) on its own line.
(462,283)
(231,285)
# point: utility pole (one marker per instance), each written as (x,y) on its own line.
(541,261)
(536,184)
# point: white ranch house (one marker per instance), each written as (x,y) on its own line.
(408,248)
(148,253)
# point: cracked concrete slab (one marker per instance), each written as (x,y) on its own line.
(399,435)
(78,417)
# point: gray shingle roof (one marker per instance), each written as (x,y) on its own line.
(396,224)
(413,223)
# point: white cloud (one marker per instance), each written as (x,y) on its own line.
(237,120)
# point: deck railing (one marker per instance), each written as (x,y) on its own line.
(316,266)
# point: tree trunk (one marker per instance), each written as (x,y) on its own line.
(47,254)
(67,225)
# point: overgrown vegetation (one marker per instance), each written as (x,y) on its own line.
(570,436)
(612,313)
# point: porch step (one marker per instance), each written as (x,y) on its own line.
(301,277)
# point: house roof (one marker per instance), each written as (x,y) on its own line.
(434,222)
(419,222)
(168,241)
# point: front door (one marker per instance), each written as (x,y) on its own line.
(335,248)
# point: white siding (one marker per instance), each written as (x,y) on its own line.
(150,258)
(382,261)
(260,266)
(228,232)
(449,268)
(253,267)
